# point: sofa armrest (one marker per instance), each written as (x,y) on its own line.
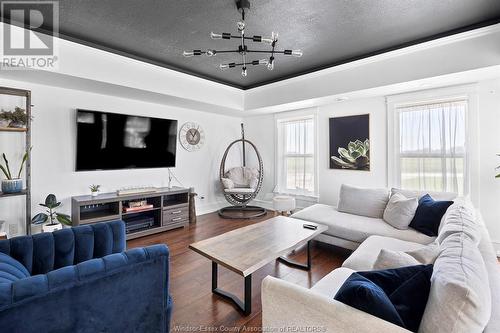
(287,307)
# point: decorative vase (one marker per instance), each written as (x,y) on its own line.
(94,194)
(12,185)
(51,227)
(4,123)
(17,124)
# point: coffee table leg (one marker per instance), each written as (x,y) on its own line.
(246,306)
(292,263)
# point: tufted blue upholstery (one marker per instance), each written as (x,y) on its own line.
(11,270)
(85,273)
(44,252)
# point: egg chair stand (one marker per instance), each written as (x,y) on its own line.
(249,182)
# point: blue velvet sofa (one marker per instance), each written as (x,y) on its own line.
(81,279)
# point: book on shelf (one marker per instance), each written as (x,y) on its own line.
(137,209)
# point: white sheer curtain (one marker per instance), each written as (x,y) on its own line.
(432,146)
(296,163)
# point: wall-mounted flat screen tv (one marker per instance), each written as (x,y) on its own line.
(110,141)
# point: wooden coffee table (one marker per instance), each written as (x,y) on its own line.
(247,249)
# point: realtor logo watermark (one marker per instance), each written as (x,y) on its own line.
(29,41)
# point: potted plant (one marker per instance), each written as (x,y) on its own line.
(17,118)
(11,184)
(94,189)
(56,219)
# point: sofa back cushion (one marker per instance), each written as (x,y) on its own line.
(11,270)
(419,194)
(370,202)
(460,298)
(47,251)
(460,217)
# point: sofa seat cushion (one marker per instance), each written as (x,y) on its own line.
(331,283)
(354,227)
(11,270)
(366,254)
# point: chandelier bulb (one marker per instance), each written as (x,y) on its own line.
(223,66)
(241,26)
(244,71)
(274,36)
(213,35)
(297,53)
(270,65)
(188,54)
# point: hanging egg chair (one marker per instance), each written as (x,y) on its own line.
(241,184)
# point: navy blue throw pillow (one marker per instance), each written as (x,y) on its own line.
(429,214)
(395,295)
(362,294)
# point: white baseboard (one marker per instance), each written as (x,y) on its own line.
(211,207)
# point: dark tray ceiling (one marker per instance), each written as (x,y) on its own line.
(329,32)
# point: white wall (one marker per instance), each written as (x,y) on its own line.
(489,146)
(488,97)
(331,179)
(261,130)
(53,140)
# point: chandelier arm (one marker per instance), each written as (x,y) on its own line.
(264,51)
(244,64)
(227,51)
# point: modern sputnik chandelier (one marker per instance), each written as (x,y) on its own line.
(243,6)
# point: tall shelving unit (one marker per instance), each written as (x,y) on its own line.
(27,132)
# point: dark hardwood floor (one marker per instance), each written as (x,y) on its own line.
(195,307)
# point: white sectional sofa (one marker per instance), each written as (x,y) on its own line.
(465,285)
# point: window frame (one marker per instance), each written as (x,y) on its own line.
(280,156)
(434,96)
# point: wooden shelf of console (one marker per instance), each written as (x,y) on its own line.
(170,210)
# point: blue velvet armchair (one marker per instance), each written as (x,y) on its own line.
(81,279)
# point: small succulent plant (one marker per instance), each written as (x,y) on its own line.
(356,156)
(94,188)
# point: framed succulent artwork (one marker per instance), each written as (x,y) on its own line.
(350,142)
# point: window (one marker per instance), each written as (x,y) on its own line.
(296,161)
(431,146)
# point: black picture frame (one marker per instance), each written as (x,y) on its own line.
(350,142)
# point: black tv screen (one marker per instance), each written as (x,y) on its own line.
(110,141)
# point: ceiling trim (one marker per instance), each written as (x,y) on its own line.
(453,38)
(135,56)
(442,38)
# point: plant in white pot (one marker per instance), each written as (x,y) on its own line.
(94,189)
(12,184)
(55,219)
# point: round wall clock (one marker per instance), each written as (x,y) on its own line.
(191,136)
